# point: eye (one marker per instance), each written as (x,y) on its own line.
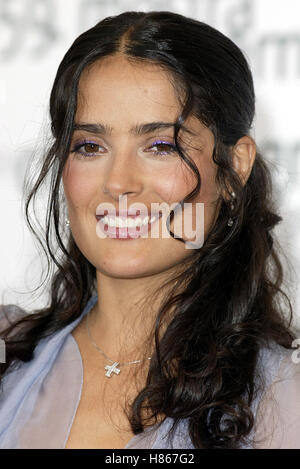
(163,148)
(86,148)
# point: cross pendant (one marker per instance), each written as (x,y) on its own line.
(112,369)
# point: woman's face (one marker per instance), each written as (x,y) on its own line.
(121,97)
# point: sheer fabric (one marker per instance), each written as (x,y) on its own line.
(39,399)
(278,411)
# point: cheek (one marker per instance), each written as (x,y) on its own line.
(184,182)
(175,185)
(208,194)
(78,185)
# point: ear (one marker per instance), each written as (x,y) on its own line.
(243,157)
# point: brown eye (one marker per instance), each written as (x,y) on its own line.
(91,147)
(162,147)
(87,149)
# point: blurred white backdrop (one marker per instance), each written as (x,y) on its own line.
(34,36)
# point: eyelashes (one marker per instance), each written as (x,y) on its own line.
(171,148)
(87,145)
(89,149)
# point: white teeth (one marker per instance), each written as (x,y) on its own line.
(111,222)
(146,220)
(126,223)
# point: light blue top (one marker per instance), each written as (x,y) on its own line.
(39,400)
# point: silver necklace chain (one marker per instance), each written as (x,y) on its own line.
(114,364)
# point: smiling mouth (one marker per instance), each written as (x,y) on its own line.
(131,227)
(130,221)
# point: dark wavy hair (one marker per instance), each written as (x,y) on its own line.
(232,303)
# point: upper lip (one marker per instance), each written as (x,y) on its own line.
(125,214)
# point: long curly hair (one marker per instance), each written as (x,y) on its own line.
(232,303)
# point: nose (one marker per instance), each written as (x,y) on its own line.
(122,175)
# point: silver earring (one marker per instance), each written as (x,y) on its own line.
(230,220)
(67,222)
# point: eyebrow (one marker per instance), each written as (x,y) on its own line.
(140,129)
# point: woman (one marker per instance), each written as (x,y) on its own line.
(154,341)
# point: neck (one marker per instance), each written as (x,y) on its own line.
(122,321)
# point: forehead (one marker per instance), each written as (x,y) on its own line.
(117,87)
